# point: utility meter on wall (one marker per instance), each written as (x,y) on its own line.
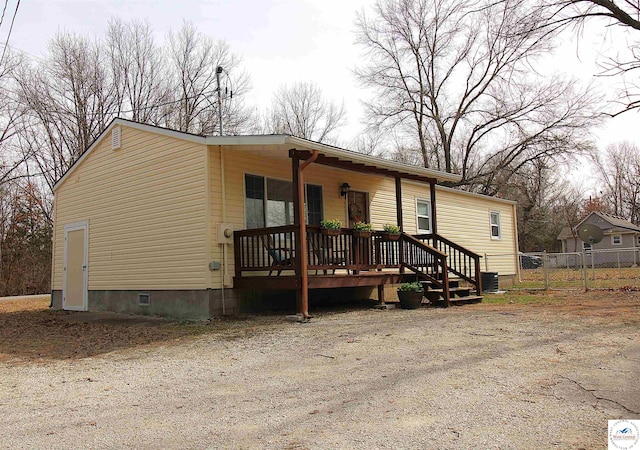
(225,233)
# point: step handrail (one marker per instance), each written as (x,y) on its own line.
(414,261)
(462,262)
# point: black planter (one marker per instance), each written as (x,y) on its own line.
(410,299)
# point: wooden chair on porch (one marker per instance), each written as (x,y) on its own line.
(322,248)
(281,256)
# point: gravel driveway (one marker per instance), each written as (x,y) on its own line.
(479,376)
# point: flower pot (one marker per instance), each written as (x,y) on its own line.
(390,236)
(362,234)
(410,299)
(329,232)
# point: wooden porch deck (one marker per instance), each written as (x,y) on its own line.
(266,258)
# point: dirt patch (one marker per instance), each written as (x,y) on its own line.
(30,331)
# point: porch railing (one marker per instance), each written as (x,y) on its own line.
(273,249)
(461,261)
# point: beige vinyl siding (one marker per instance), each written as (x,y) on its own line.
(145,204)
(461,218)
(465,219)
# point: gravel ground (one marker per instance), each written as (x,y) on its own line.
(472,377)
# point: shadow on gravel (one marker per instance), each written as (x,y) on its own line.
(33,332)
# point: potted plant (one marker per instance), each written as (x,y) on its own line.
(391,232)
(410,295)
(362,230)
(330,227)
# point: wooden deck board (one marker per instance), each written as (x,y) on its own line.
(338,280)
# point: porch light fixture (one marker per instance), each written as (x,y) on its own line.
(344,189)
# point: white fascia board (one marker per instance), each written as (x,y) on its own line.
(250,140)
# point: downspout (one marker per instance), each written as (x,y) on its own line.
(302,254)
(224,220)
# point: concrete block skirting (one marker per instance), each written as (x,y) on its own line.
(196,304)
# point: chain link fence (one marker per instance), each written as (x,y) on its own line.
(614,269)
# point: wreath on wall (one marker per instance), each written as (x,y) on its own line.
(356,212)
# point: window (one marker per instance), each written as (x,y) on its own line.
(314,204)
(269,202)
(495,225)
(423,214)
(254,201)
(586,246)
(616,239)
(279,203)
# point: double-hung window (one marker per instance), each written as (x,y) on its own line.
(616,239)
(423,216)
(269,202)
(494,220)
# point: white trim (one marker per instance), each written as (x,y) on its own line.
(430,213)
(491,225)
(85,279)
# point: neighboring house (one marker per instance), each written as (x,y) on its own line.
(156,221)
(618,234)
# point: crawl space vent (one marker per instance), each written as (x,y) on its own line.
(144,299)
(115,138)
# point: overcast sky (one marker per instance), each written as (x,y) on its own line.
(279,41)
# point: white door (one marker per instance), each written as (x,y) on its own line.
(74,291)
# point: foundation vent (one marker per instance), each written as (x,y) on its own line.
(144,299)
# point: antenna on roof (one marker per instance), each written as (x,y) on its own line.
(218,72)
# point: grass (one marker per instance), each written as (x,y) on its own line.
(518,298)
(606,278)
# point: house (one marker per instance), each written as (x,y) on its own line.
(155,221)
(620,240)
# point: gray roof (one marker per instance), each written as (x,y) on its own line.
(616,222)
(618,225)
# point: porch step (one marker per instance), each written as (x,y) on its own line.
(454,292)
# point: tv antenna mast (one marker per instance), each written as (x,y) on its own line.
(218,72)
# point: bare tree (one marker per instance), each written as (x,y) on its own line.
(303,111)
(11,114)
(615,15)
(459,80)
(137,73)
(194,60)
(619,170)
(69,101)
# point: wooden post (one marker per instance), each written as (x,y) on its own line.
(302,293)
(381,293)
(434,221)
(399,203)
(295,165)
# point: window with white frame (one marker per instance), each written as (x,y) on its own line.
(269,202)
(616,239)
(586,246)
(423,216)
(494,220)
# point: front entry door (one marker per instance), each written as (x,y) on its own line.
(358,207)
(74,291)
